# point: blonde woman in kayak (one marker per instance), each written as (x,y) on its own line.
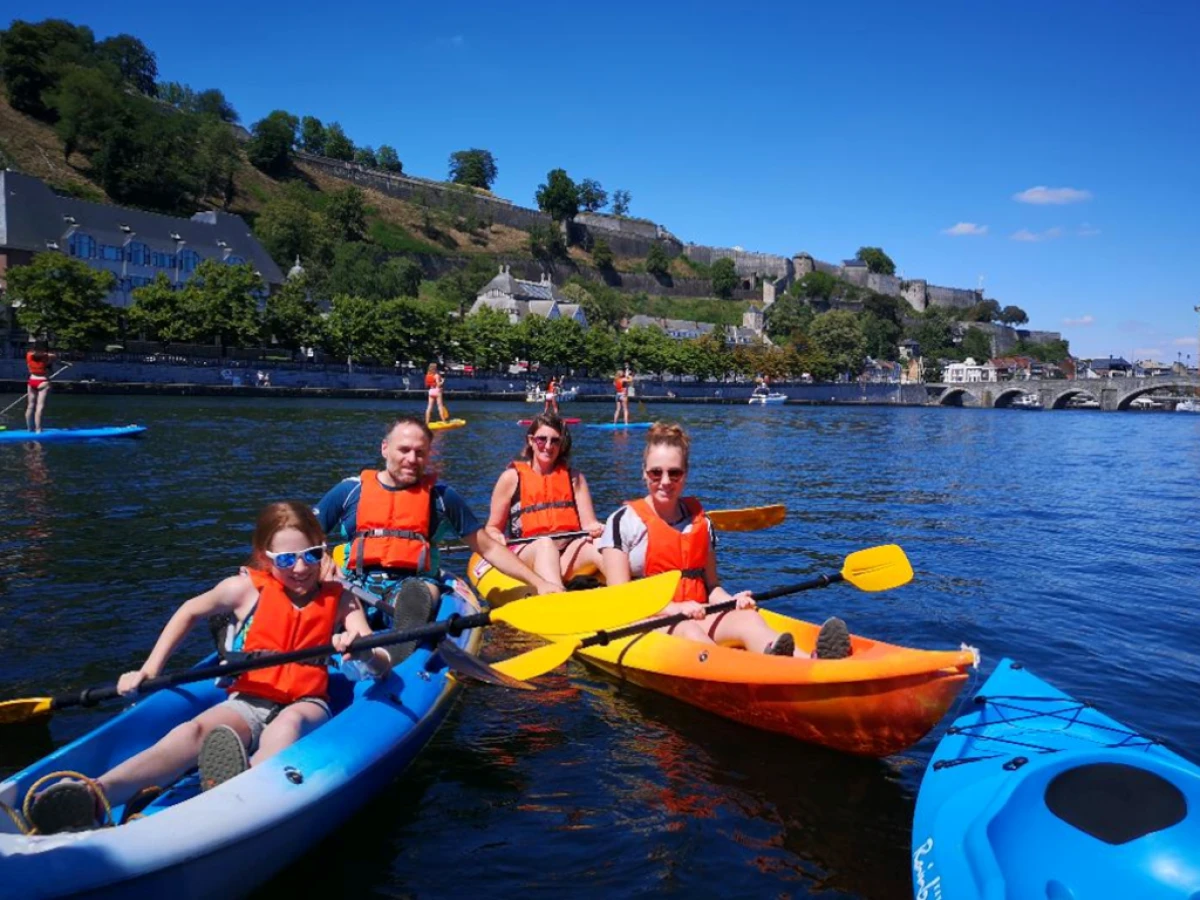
(540,495)
(666,531)
(290,606)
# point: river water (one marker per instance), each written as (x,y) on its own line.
(1068,540)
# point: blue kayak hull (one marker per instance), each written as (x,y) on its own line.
(227,841)
(58,435)
(609,426)
(1032,794)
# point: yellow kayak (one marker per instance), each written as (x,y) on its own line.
(447,425)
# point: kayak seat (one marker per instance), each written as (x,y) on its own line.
(1114,802)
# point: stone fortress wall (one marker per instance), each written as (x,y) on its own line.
(634,237)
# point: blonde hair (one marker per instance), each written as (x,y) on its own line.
(667,434)
(274,518)
(431,369)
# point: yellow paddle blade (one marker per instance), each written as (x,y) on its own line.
(13,712)
(537,662)
(559,615)
(754,518)
(878,568)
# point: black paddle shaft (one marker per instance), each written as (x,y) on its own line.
(602,638)
(453,626)
(561,536)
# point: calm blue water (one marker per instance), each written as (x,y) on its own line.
(1066,539)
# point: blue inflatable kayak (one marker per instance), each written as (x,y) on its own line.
(71,434)
(611,426)
(1032,794)
(226,841)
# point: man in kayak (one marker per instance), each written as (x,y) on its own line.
(392,520)
(540,495)
(281,602)
(665,531)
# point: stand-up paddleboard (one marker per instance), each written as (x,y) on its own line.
(71,434)
(568,421)
(615,426)
(447,425)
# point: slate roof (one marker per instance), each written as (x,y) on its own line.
(33,216)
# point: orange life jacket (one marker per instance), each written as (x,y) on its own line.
(667,550)
(430,380)
(38,367)
(279,626)
(547,502)
(392,527)
(619,383)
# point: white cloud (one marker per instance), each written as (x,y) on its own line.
(1081,322)
(456,41)
(1185,342)
(1087,230)
(1033,236)
(1048,196)
(965,228)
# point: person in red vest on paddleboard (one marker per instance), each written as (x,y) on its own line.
(37,387)
(621,383)
(433,384)
(666,531)
(540,495)
(553,386)
(285,599)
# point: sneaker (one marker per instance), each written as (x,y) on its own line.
(222,756)
(66,806)
(412,606)
(833,641)
(784,645)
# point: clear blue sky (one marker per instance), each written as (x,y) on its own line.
(794,126)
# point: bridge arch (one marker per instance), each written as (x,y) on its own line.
(1181,386)
(1064,398)
(1006,397)
(957,396)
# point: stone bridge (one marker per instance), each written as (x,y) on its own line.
(1111,393)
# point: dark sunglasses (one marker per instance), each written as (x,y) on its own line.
(311,555)
(656,474)
(542,440)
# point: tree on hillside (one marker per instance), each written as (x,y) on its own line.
(293,317)
(217,160)
(459,288)
(657,262)
(877,261)
(977,345)
(63,299)
(815,286)
(270,148)
(289,229)
(337,145)
(88,104)
(312,136)
(836,334)
(724,278)
(135,62)
(362,270)
(212,102)
(592,196)
(346,212)
(1013,315)
(546,243)
(365,156)
(559,196)
(33,57)
(620,202)
(983,311)
(180,96)
(474,168)
(388,159)
(602,255)
(601,304)
(149,161)
(934,333)
(788,317)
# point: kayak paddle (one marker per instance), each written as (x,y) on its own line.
(556,615)
(753,518)
(874,569)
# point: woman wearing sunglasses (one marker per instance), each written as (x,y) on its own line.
(540,495)
(666,531)
(281,602)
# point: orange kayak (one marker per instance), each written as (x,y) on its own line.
(879,701)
